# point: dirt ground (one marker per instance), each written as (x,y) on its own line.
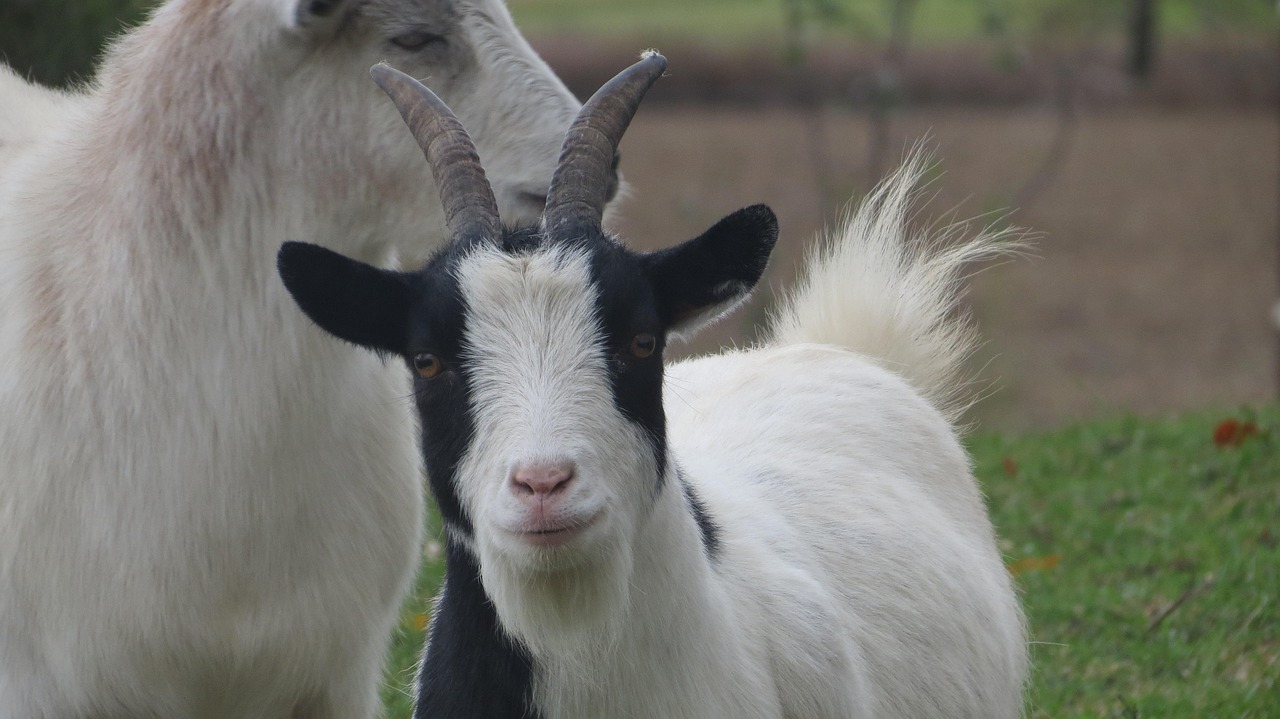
(1153,279)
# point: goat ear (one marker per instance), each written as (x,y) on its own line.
(698,281)
(350,300)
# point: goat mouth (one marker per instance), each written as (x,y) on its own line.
(557,534)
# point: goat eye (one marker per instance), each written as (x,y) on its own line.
(427,364)
(417,40)
(643,345)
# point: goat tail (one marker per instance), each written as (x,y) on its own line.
(884,290)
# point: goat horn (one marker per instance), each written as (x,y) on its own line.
(579,188)
(470,210)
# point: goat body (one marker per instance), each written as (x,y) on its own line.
(787,531)
(208,508)
(27,113)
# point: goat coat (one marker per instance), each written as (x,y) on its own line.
(207,507)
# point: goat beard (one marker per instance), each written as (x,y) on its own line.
(568,613)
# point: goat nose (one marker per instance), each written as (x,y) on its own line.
(542,480)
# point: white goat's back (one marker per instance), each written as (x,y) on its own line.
(875,288)
(27,111)
(829,471)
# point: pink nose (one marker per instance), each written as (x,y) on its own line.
(542,480)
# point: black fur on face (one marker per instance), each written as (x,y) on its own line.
(626,308)
(472,667)
(437,326)
(627,311)
(424,312)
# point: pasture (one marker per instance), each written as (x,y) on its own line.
(1151,278)
(1152,282)
(739,21)
(1145,543)
(1145,550)
(1147,554)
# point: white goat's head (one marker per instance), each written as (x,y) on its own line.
(468,52)
(283,83)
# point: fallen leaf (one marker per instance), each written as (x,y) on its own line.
(1232,432)
(1034,564)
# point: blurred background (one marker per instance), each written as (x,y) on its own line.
(1139,140)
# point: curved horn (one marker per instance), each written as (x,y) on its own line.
(470,210)
(579,188)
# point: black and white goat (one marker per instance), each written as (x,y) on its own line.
(796,533)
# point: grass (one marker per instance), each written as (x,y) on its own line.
(1147,557)
(1153,587)
(397,690)
(719,22)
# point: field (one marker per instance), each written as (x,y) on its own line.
(1148,558)
(1146,548)
(1147,555)
(739,21)
(1146,551)
(1152,276)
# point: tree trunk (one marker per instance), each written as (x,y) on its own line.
(1142,38)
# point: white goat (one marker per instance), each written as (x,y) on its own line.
(26,113)
(795,533)
(207,507)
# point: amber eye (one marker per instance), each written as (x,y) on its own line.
(427,364)
(643,345)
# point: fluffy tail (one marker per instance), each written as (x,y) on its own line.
(877,288)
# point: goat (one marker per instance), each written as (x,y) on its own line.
(794,533)
(26,112)
(218,512)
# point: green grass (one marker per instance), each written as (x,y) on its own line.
(730,22)
(397,691)
(1165,597)
(1147,559)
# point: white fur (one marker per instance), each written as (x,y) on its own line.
(860,293)
(857,574)
(208,508)
(538,382)
(26,112)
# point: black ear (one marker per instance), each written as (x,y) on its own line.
(698,281)
(348,299)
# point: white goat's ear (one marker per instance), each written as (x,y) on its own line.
(316,17)
(697,282)
(350,300)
